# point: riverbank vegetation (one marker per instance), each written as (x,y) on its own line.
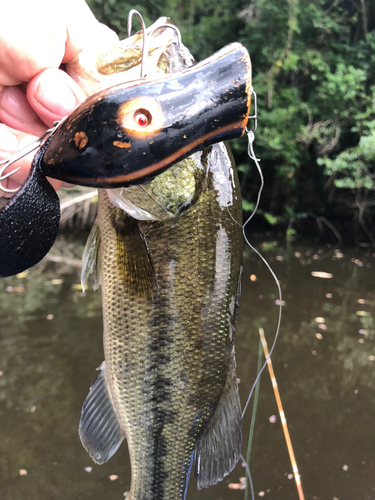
(314,74)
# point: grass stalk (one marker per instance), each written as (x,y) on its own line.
(297,477)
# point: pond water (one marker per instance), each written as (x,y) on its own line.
(324,360)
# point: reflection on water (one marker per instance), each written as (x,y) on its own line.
(50,345)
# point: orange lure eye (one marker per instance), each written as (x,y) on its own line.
(141,117)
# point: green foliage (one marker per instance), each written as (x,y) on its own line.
(247,206)
(291,234)
(353,168)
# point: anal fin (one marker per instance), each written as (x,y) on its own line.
(99,428)
(219,448)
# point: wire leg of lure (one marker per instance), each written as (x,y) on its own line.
(4,164)
(144,43)
(3,176)
(175,29)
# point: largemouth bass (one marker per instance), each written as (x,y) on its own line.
(170,275)
(170,296)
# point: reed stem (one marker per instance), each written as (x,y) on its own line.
(297,477)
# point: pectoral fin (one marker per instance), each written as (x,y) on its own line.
(91,258)
(29,222)
(218,449)
(99,428)
(134,261)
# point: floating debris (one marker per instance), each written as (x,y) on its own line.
(23,472)
(238,486)
(88,469)
(320,320)
(345,467)
(56,281)
(358,262)
(361,341)
(363,313)
(329,295)
(279,302)
(279,258)
(272,419)
(77,286)
(363,301)
(319,336)
(22,275)
(261,494)
(17,289)
(113,477)
(338,255)
(49,316)
(253,277)
(314,353)
(32,409)
(290,476)
(321,274)
(371,357)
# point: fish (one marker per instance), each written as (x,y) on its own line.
(168,256)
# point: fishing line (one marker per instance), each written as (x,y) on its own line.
(248,476)
(250,151)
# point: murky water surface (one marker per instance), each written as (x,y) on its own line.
(324,361)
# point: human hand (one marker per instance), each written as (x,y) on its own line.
(35,39)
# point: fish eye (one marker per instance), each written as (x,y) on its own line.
(142,118)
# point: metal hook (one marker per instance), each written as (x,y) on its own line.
(4,164)
(251,133)
(174,28)
(144,45)
(255,115)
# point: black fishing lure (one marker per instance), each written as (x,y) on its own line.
(126,135)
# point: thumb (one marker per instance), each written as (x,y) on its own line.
(53,95)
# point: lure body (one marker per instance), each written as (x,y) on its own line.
(128,134)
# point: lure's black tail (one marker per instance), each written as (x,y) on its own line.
(29,222)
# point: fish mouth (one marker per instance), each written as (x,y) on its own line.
(130,133)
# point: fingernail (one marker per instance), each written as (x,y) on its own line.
(56,96)
(8,141)
(14,103)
